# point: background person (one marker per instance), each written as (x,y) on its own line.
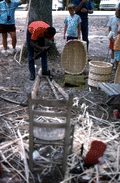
(83,7)
(7,22)
(112,24)
(37,32)
(117,46)
(72,24)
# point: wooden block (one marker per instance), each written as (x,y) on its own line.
(75,80)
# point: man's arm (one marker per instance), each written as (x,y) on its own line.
(109,29)
(65,30)
(79,29)
(23,1)
(78,8)
(36,45)
(90,11)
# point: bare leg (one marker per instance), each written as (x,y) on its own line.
(116,63)
(14,40)
(112,54)
(4,40)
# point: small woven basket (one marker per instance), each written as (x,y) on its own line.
(99,72)
(100,67)
(74,57)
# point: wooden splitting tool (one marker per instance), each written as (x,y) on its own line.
(39,54)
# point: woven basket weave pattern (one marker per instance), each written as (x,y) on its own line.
(94,83)
(99,77)
(99,72)
(74,57)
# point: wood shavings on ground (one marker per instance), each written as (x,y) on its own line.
(87,129)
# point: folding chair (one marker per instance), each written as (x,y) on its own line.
(55,133)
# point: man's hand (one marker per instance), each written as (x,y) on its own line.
(23,1)
(45,48)
(111,39)
(84,10)
(85,1)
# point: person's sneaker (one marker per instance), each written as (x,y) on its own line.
(5,53)
(113,66)
(32,77)
(14,51)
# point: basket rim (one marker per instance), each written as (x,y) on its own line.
(107,64)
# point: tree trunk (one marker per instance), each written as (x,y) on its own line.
(41,10)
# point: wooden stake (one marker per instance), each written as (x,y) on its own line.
(53,89)
(36,84)
(60,89)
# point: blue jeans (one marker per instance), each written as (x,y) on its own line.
(84,29)
(41,43)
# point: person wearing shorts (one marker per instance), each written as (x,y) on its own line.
(112,24)
(7,22)
(117,47)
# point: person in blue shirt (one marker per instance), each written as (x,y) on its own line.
(7,22)
(82,8)
(72,24)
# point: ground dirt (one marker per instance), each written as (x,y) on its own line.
(15,82)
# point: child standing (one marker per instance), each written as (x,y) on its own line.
(117,47)
(112,24)
(72,24)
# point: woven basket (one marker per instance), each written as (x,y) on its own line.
(100,67)
(99,72)
(74,57)
(99,77)
(94,83)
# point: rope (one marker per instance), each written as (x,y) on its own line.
(26,24)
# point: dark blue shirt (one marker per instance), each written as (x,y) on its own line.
(88,6)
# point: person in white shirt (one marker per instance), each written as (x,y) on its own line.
(112,24)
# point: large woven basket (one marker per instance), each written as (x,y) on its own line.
(74,57)
(99,72)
